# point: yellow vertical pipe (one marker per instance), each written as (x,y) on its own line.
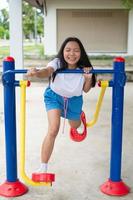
(104,85)
(27,180)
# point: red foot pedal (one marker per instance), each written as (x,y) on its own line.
(43,177)
(77,137)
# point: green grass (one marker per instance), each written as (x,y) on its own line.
(30,51)
(4,51)
(36,51)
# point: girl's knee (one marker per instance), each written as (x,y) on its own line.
(74,124)
(53,131)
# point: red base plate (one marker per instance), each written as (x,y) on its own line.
(43,177)
(115,188)
(12,189)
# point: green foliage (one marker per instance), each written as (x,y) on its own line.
(31,16)
(4,24)
(4,18)
(28,20)
(6,35)
(40,25)
(32,19)
(2,31)
(127,3)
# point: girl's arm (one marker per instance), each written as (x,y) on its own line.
(88,80)
(42,73)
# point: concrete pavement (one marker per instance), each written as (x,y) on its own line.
(80,168)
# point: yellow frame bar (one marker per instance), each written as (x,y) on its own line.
(104,85)
(23,85)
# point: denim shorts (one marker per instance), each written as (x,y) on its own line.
(55,101)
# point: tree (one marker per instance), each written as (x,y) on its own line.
(2,32)
(28,20)
(31,14)
(4,24)
(127,3)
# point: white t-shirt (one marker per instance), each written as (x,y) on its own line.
(64,84)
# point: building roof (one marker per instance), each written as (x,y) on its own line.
(40,4)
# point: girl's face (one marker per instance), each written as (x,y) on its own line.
(72,54)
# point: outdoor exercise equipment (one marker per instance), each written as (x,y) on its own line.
(12,187)
(103,84)
(45,179)
(74,134)
(114,185)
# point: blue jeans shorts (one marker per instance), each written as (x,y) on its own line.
(55,101)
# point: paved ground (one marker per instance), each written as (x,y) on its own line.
(80,168)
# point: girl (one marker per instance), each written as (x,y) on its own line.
(63,97)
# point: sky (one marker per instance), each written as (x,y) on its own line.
(3,4)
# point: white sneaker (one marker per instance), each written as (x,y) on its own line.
(42,169)
(80,129)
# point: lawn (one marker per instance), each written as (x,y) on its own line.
(36,51)
(30,51)
(4,51)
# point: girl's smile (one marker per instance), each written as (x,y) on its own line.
(72,54)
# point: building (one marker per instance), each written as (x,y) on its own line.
(104,26)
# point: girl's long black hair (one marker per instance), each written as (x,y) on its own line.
(83,61)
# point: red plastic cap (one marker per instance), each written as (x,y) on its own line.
(99,83)
(9,59)
(28,83)
(119,59)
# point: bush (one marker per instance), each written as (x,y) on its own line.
(2,32)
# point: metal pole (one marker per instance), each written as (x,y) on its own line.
(10,122)
(115,186)
(117,120)
(12,187)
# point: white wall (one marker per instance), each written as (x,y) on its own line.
(50,42)
(130,33)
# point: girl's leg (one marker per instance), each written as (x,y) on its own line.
(78,124)
(53,129)
(74,123)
